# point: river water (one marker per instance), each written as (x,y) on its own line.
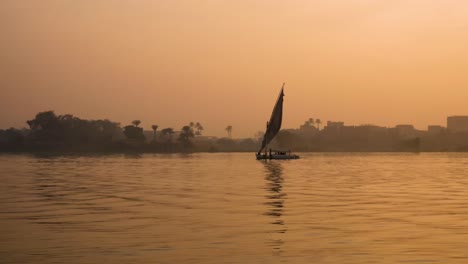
(230,208)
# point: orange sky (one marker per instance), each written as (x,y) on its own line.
(223,62)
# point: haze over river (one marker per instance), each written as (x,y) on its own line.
(231,208)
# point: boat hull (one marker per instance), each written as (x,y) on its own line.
(276,156)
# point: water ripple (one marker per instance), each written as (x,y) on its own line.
(230,208)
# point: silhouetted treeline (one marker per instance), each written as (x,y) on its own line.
(67,133)
(50,132)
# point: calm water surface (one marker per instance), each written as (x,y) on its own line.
(230,208)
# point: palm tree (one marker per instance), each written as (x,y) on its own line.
(229,130)
(154,127)
(167,132)
(310,121)
(318,122)
(199,128)
(136,122)
(185,134)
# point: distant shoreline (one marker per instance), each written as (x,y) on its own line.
(49,132)
(57,152)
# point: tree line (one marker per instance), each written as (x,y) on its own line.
(50,132)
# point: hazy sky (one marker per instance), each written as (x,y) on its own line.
(223,62)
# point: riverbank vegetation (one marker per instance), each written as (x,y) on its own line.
(48,132)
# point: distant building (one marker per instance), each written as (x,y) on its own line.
(404,127)
(308,129)
(372,128)
(457,124)
(405,131)
(435,129)
(334,126)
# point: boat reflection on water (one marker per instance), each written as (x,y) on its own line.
(275,202)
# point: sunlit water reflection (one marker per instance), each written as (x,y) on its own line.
(230,208)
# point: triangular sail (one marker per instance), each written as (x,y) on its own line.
(274,125)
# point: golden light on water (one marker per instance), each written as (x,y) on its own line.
(206,208)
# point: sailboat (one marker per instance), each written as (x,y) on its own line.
(272,128)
